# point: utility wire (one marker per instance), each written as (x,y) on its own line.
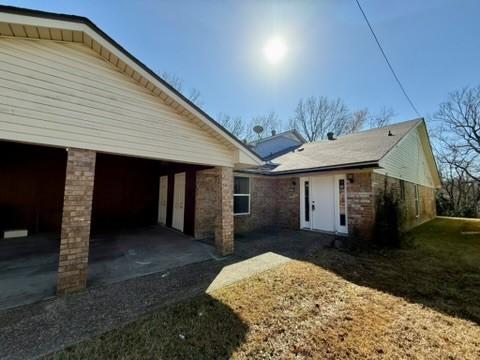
(387,61)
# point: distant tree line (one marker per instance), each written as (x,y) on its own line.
(456,134)
(313,117)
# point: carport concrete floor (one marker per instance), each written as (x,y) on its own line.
(28,266)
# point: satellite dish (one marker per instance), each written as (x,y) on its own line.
(258,129)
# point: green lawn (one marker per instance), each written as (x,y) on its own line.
(421,302)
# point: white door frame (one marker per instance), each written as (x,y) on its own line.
(309,225)
(162,199)
(305,204)
(178,215)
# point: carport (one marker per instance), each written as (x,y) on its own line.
(119,138)
(128,236)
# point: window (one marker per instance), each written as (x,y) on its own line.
(341,202)
(417,202)
(307,202)
(402,190)
(241,196)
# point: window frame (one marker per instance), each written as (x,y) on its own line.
(244,195)
(417,202)
(402,190)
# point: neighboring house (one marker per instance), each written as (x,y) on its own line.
(277,144)
(92,139)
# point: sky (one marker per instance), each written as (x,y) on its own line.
(217,47)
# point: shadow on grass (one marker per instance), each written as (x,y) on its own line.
(441,270)
(202,328)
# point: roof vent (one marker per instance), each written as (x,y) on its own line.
(330,136)
(390,133)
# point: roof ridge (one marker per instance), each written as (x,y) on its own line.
(294,131)
(416,123)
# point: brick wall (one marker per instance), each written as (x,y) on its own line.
(360,204)
(224,222)
(206,203)
(409,220)
(214,207)
(288,202)
(77,209)
(275,203)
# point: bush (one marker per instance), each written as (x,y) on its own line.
(355,242)
(387,230)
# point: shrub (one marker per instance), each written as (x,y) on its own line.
(387,230)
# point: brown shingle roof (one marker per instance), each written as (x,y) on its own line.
(367,146)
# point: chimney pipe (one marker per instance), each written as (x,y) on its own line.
(330,136)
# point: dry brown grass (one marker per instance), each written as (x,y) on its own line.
(420,303)
(308,312)
(298,310)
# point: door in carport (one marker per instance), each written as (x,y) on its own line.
(178,201)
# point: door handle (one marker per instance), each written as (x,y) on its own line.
(313,206)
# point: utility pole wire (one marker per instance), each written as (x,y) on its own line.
(387,61)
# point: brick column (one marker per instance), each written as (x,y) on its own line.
(77,209)
(224,223)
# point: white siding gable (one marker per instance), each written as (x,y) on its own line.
(411,159)
(64,94)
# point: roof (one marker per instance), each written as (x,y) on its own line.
(29,23)
(276,145)
(365,148)
(293,132)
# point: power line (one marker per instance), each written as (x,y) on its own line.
(387,61)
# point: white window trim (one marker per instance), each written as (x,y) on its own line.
(249,192)
(417,202)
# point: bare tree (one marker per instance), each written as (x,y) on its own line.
(269,122)
(316,116)
(177,83)
(233,124)
(459,195)
(458,124)
(357,121)
(382,118)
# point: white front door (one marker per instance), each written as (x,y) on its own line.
(162,200)
(323,203)
(178,201)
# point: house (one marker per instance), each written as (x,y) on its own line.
(273,146)
(92,140)
(332,185)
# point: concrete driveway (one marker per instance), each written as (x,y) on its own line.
(28,266)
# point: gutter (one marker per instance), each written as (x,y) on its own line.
(350,166)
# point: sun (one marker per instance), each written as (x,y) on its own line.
(275,50)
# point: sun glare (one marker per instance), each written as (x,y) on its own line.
(275,50)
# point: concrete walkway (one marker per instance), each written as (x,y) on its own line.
(231,274)
(34,330)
